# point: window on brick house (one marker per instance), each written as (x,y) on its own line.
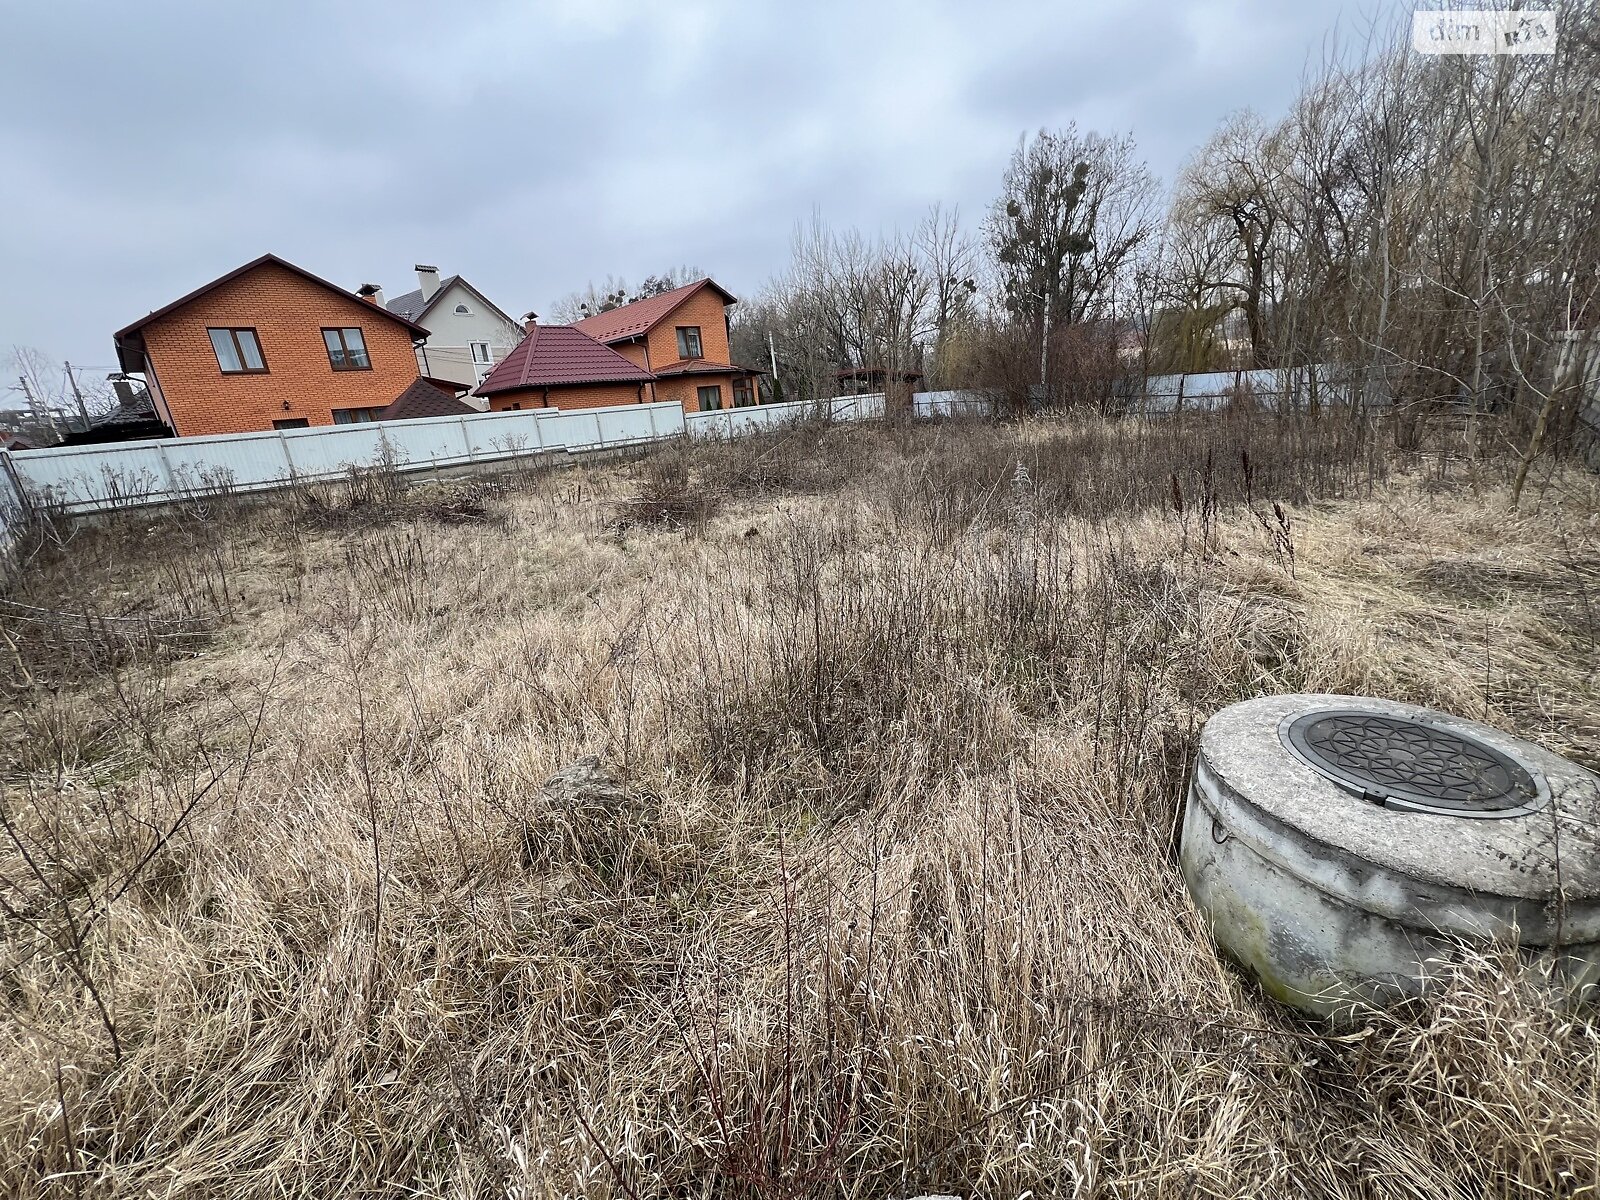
(292,423)
(238,352)
(347,350)
(710,397)
(688,341)
(742,394)
(356,416)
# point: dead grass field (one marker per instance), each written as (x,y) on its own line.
(872,888)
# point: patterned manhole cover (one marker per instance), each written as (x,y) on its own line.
(1419,764)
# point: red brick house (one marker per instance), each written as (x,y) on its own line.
(557,366)
(681,338)
(270,346)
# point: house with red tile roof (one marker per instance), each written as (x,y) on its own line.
(681,338)
(559,366)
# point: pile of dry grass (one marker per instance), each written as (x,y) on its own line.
(870,888)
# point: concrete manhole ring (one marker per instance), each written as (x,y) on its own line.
(1340,846)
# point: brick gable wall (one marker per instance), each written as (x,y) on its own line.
(288,314)
(704,309)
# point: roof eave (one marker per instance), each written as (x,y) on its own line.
(692,291)
(534,385)
(228,277)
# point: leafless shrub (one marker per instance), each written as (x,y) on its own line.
(868,888)
(667,494)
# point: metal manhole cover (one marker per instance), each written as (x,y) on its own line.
(1413,763)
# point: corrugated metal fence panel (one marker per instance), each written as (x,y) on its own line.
(707,424)
(437,441)
(92,478)
(506,434)
(627,423)
(731,422)
(86,478)
(1214,390)
(11,514)
(579,429)
(241,461)
(953,404)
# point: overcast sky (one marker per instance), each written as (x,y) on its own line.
(537,144)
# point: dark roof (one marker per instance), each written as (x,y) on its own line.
(630,320)
(411,304)
(14,441)
(128,338)
(422,399)
(702,366)
(553,355)
(131,420)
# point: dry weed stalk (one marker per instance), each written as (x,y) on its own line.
(869,888)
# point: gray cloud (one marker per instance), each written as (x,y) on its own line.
(534,146)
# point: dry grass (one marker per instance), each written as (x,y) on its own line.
(871,888)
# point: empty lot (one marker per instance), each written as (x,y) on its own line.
(858,874)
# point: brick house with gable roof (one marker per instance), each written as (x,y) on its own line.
(681,338)
(270,346)
(558,366)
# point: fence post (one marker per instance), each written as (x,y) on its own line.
(288,459)
(466,439)
(24,500)
(166,466)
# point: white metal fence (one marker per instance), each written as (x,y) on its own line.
(12,515)
(80,479)
(954,404)
(1212,391)
(731,422)
(86,479)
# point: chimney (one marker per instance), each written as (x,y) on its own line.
(530,321)
(371,293)
(428,278)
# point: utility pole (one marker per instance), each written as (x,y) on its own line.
(34,410)
(1044,359)
(83,409)
(772,351)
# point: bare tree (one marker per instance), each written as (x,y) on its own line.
(595,298)
(952,261)
(1072,211)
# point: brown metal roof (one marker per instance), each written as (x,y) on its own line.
(702,366)
(630,320)
(552,355)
